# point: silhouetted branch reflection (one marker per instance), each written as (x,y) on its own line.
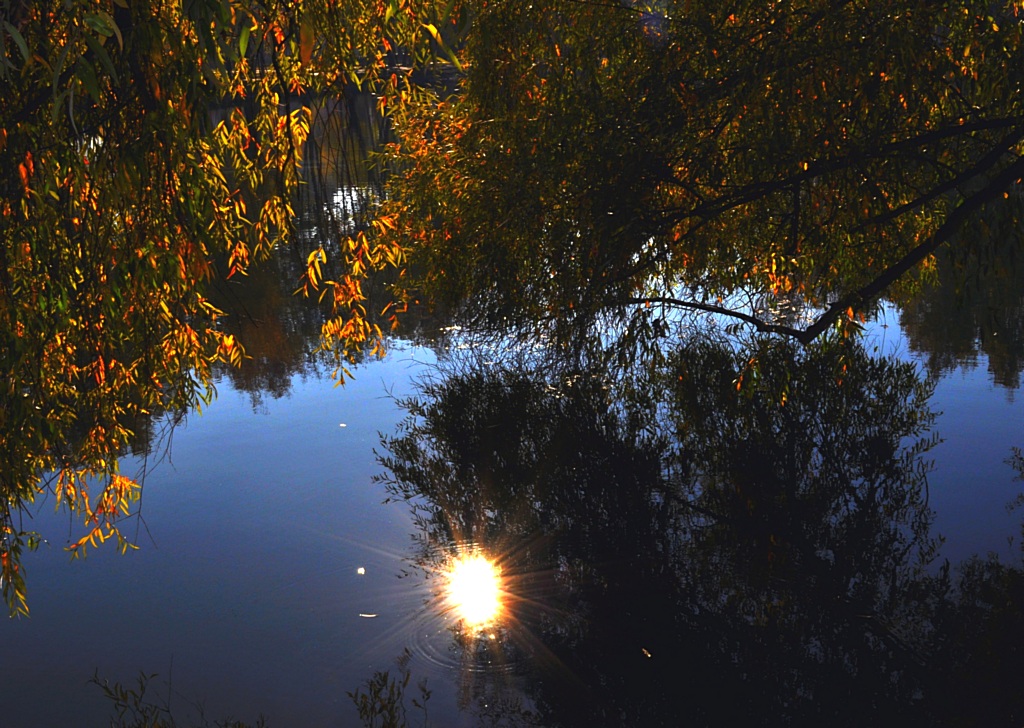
(973,302)
(748,544)
(810,497)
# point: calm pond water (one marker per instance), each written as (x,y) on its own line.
(245,590)
(266,543)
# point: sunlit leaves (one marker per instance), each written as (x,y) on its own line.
(113,502)
(145,152)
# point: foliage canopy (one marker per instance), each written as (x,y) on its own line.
(781,163)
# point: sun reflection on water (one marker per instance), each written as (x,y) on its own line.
(474,590)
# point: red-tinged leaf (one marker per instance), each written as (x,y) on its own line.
(307,39)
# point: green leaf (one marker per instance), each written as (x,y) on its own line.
(58,69)
(243,40)
(447,12)
(87,75)
(58,103)
(101,22)
(223,13)
(101,54)
(18,39)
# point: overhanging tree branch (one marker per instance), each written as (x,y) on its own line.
(855,299)
(712,207)
(996,186)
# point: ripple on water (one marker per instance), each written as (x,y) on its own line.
(445,632)
(446,643)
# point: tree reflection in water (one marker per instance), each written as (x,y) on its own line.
(973,303)
(753,549)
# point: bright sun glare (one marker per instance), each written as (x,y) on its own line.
(473,590)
